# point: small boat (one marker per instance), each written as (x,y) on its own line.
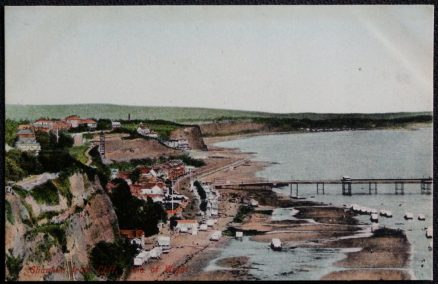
(276,244)
(421,217)
(374,218)
(429,232)
(409,216)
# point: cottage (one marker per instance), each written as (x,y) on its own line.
(154,190)
(73,120)
(91,124)
(43,124)
(187,225)
(27,141)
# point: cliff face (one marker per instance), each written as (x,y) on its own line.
(193,135)
(44,237)
(223,128)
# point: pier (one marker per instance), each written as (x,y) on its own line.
(399,184)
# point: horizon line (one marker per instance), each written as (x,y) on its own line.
(212,108)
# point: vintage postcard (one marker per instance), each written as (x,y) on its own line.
(158,143)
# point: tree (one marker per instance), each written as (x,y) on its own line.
(111,259)
(134,176)
(134,213)
(104,124)
(203,206)
(173,221)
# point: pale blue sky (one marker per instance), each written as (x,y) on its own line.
(266,58)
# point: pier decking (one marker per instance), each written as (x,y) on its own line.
(425,184)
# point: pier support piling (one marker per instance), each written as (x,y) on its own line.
(373,186)
(426,187)
(400,187)
(291,189)
(318,188)
(346,188)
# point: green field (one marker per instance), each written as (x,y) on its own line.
(177,114)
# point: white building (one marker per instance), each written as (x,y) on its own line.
(154,190)
(116,124)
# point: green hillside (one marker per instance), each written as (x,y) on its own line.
(178,114)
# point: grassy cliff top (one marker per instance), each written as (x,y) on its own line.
(180,114)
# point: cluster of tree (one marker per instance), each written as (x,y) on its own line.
(134,213)
(202,195)
(191,161)
(346,121)
(104,124)
(80,128)
(54,157)
(112,259)
(11,130)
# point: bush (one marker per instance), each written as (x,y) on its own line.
(57,231)
(46,193)
(14,265)
(242,213)
(9,215)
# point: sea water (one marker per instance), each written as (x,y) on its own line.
(358,154)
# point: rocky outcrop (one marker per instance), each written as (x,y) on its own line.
(192,134)
(33,232)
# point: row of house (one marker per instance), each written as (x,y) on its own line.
(151,183)
(72,121)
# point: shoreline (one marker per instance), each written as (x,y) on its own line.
(209,140)
(195,260)
(404,272)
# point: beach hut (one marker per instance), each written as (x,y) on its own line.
(421,217)
(210,222)
(374,218)
(141,258)
(164,243)
(155,252)
(203,227)
(429,232)
(216,236)
(276,244)
(374,227)
(409,216)
(239,235)
(388,214)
